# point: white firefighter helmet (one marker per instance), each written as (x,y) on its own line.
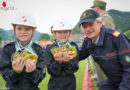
(24,19)
(61,25)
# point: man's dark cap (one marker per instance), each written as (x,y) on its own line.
(88,16)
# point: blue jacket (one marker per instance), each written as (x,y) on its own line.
(112,53)
(62,75)
(28,81)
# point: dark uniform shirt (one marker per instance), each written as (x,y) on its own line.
(23,81)
(62,75)
(112,53)
(108,22)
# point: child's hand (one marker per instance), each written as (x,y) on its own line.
(30,66)
(58,56)
(66,57)
(18,65)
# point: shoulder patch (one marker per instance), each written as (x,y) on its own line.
(127,59)
(104,15)
(116,33)
(108,25)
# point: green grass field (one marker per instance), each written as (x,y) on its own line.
(43,85)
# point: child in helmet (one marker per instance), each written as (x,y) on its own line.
(62,58)
(22,61)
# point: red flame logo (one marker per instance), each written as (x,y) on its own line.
(4,4)
(24,18)
(62,24)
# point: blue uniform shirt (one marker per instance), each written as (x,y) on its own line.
(112,53)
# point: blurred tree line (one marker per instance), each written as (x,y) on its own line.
(121,19)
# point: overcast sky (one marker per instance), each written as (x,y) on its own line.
(46,12)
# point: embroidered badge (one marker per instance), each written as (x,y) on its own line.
(116,33)
(24,18)
(127,58)
(86,15)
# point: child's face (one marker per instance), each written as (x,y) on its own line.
(62,36)
(23,33)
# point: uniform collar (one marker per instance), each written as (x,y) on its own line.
(101,36)
(96,40)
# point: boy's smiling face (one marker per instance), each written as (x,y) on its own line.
(63,35)
(23,33)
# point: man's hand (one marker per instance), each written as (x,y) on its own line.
(30,66)
(18,65)
(58,56)
(66,57)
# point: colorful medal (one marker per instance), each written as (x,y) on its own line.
(26,55)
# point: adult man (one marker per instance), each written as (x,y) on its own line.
(109,48)
(100,7)
(18,73)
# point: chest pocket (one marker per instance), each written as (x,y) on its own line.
(108,62)
(105,59)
